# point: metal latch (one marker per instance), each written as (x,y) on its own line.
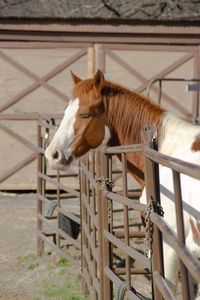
(104,184)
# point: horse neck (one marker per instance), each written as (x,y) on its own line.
(127,113)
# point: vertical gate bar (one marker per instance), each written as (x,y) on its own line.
(156,197)
(157,251)
(40,243)
(44,166)
(198,76)
(89,223)
(87,219)
(58,237)
(110,177)
(45,139)
(83,236)
(93,209)
(126,220)
(187,289)
(195,109)
(107,225)
(100,226)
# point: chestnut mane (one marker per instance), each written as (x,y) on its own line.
(127,112)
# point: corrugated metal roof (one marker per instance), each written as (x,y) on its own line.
(164,10)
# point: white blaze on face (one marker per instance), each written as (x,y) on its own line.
(65,133)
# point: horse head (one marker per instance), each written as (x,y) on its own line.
(83,126)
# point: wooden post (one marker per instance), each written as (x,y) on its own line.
(91,61)
(40,242)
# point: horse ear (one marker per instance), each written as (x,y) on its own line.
(99,79)
(75,78)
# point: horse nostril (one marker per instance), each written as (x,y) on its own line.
(56,155)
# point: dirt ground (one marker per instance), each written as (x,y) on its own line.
(17,231)
(22,275)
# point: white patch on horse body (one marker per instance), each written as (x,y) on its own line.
(176,138)
(65,133)
(189,190)
(177,135)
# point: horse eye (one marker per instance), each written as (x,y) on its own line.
(85,115)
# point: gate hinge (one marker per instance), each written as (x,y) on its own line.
(104,184)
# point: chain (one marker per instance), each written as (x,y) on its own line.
(152,205)
(106,184)
(109,211)
(148,230)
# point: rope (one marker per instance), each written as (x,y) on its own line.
(122,290)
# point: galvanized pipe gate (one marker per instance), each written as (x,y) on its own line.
(102,242)
(108,230)
(58,209)
(112,229)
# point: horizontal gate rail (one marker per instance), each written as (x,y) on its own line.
(123,149)
(129,250)
(58,184)
(163,287)
(125,201)
(43,238)
(175,164)
(55,229)
(118,282)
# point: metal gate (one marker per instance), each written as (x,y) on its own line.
(189,264)
(112,242)
(111,263)
(111,227)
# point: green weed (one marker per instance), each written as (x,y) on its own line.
(27,257)
(63,263)
(63,291)
(32,266)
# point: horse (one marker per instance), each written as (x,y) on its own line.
(100,112)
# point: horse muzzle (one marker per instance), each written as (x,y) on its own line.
(58,160)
